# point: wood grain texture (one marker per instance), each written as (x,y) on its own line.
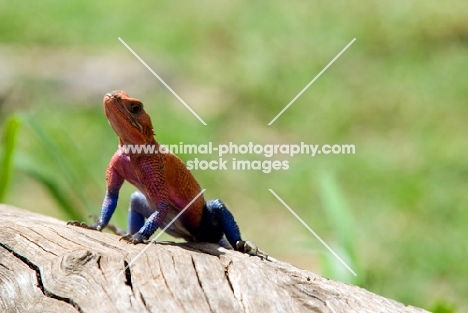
(47,266)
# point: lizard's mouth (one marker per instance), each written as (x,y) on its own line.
(116,94)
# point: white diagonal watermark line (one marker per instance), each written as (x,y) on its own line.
(329,305)
(161,80)
(313,233)
(313,80)
(163,230)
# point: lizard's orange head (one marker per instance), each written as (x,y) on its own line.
(128,118)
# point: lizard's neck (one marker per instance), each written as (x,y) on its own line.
(134,150)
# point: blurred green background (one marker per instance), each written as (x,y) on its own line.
(395,211)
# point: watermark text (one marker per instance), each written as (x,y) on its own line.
(232,149)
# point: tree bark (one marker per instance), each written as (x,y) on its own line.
(47,266)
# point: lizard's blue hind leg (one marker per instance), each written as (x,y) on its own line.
(217,222)
(138,212)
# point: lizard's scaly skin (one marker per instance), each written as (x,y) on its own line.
(166,186)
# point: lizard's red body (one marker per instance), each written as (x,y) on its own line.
(162,177)
(166,186)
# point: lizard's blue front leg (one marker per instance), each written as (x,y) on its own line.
(108,208)
(114,182)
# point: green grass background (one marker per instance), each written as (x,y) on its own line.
(396,210)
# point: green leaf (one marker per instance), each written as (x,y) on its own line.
(340,217)
(70,176)
(443,306)
(60,196)
(10,133)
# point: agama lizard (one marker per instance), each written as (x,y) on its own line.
(165,186)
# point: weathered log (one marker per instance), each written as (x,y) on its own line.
(47,266)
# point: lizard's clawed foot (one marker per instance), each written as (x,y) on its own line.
(250,248)
(114,229)
(134,239)
(84,225)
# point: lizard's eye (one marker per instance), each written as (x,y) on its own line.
(135,108)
